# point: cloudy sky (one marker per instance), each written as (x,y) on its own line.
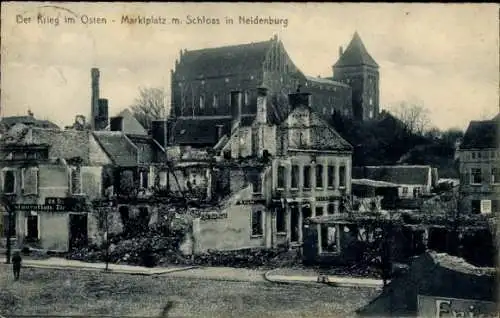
(443,56)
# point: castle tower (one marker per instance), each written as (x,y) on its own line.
(357,68)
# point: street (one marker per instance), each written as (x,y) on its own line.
(68,292)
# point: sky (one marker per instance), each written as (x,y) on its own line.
(442,56)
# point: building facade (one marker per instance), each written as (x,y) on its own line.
(202,81)
(296,169)
(479,165)
(49,174)
(54,177)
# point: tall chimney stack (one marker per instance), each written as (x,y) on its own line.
(102,117)
(94,112)
(341,51)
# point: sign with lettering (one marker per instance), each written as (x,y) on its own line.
(40,207)
(213,216)
(439,307)
(250,202)
(485,206)
(55,201)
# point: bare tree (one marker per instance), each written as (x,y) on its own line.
(414,116)
(150,105)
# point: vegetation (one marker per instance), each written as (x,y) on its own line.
(149,105)
(389,140)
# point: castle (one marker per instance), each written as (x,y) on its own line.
(202,81)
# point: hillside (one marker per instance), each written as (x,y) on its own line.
(386,141)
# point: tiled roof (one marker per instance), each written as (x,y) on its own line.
(356,54)
(199,131)
(373,183)
(417,175)
(324,136)
(118,147)
(130,124)
(222,61)
(203,131)
(8,122)
(64,144)
(481,135)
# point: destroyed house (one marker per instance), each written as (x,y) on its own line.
(288,171)
(479,166)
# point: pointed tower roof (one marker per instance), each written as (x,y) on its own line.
(356,54)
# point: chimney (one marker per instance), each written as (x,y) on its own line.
(116,123)
(299,99)
(161,131)
(236,100)
(341,51)
(102,115)
(94,111)
(261,105)
(219,131)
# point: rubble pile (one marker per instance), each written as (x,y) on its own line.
(247,258)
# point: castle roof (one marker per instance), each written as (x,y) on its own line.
(481,135)
(326,81)
(225,60)
(356,54)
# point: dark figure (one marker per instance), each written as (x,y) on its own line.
(16,265)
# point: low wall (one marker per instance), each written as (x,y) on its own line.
(229,229)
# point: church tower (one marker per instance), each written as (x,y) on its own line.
(356,68)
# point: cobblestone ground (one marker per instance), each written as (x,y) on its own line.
(44,292)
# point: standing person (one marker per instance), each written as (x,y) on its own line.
(16,265)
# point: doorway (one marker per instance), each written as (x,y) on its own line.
(78,231)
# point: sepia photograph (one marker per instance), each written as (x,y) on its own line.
(249,159)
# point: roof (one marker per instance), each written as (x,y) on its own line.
(405,174)
(226,60)
(203,131)
(64,144)
(326,81)
(356,54)
(150,151)
(481,135)
(118,147)
(374,183)
(436,275)
(199,131)
(323,136)
(130,124)
(8,122)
